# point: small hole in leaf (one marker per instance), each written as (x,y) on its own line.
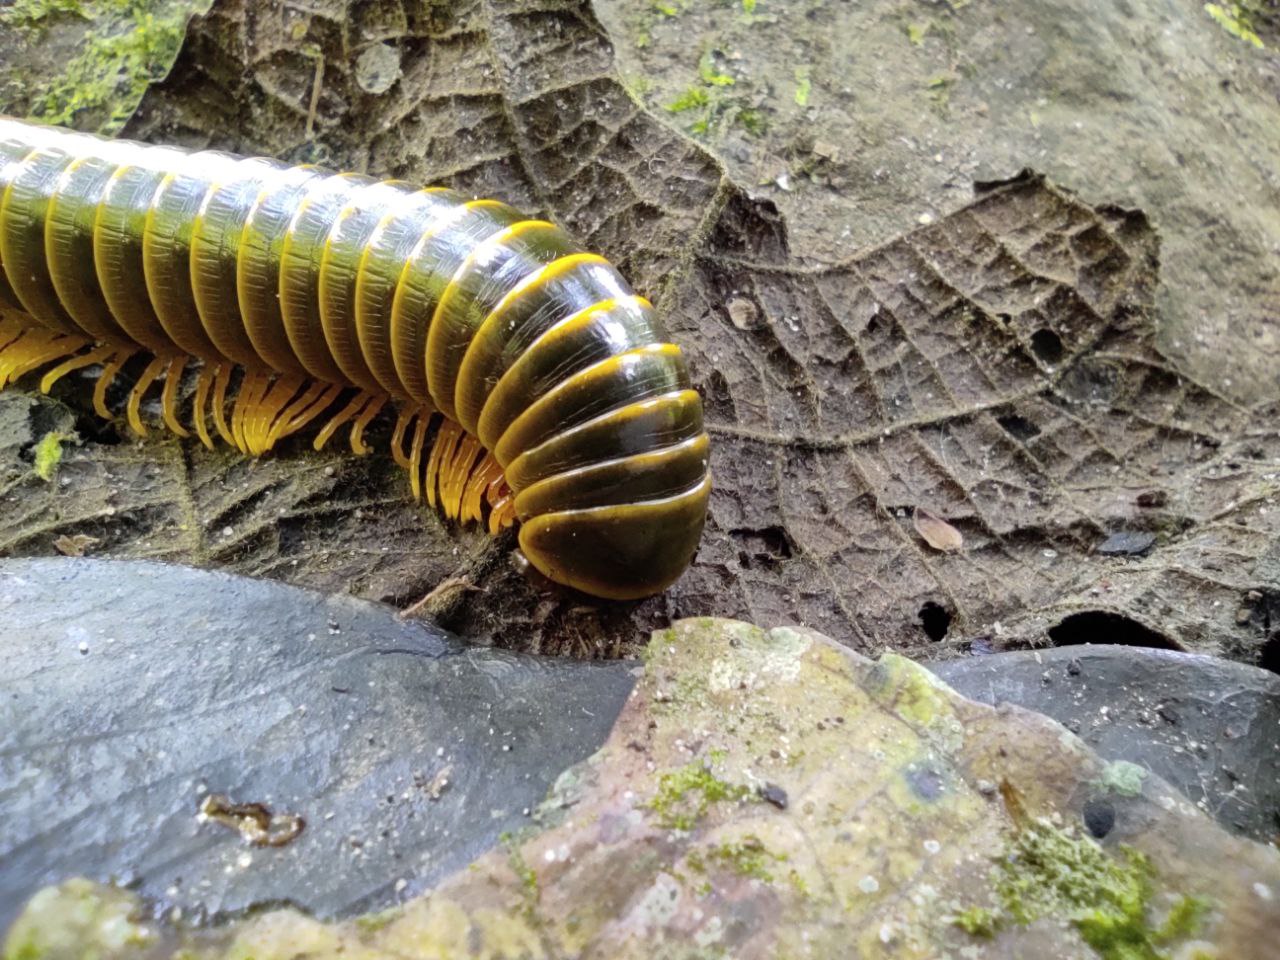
(765,547)
(1047,345)
(936,620)
(1018,427)
(1269,659)
(1101,626)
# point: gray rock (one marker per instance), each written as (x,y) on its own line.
(131,691)
(1210,727)
(1127,543)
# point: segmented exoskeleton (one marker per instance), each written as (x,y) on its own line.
(531,383)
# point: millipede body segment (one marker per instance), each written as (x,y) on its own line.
(532,385)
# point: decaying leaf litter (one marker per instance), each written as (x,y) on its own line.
(992,363)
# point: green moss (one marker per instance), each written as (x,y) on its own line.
(752,121)
(29,14)
(684,796)
(529,888)
(1185,920)
(1235,19)
(132,43)
(691,99)
(748,858)
(1051,872)
(916,33)
(371,923)
(977,921)
(28,950)
(709,74)
(804,85)
(48,454)
(798,883)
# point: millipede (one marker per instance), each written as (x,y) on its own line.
(531,385)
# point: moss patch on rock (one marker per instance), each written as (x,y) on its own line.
(1049,871)
(95,59)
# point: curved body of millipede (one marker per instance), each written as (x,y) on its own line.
(531,384)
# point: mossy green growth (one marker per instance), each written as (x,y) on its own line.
(804,84)
(371,923)
(131,44)
(1051,872)
(684,796)
(528,877)
(24,951)
(33,13)
(691,99)
(48,454)
(747,858)
(977,921)
(710,74)
(1235,19)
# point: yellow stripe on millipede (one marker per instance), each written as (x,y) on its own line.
(538,278)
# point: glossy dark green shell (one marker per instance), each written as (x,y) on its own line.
(501,323)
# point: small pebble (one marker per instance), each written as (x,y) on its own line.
(84,647)
(1127,543)
(868,884)
(773,794)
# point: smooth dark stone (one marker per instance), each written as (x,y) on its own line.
(1127,544)
(1209,727)
(129,691)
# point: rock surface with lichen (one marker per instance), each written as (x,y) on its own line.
(768,794)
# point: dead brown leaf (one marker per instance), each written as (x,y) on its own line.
(74,545)
(937,532)
(997,363)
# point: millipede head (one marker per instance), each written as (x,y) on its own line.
(622,552)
